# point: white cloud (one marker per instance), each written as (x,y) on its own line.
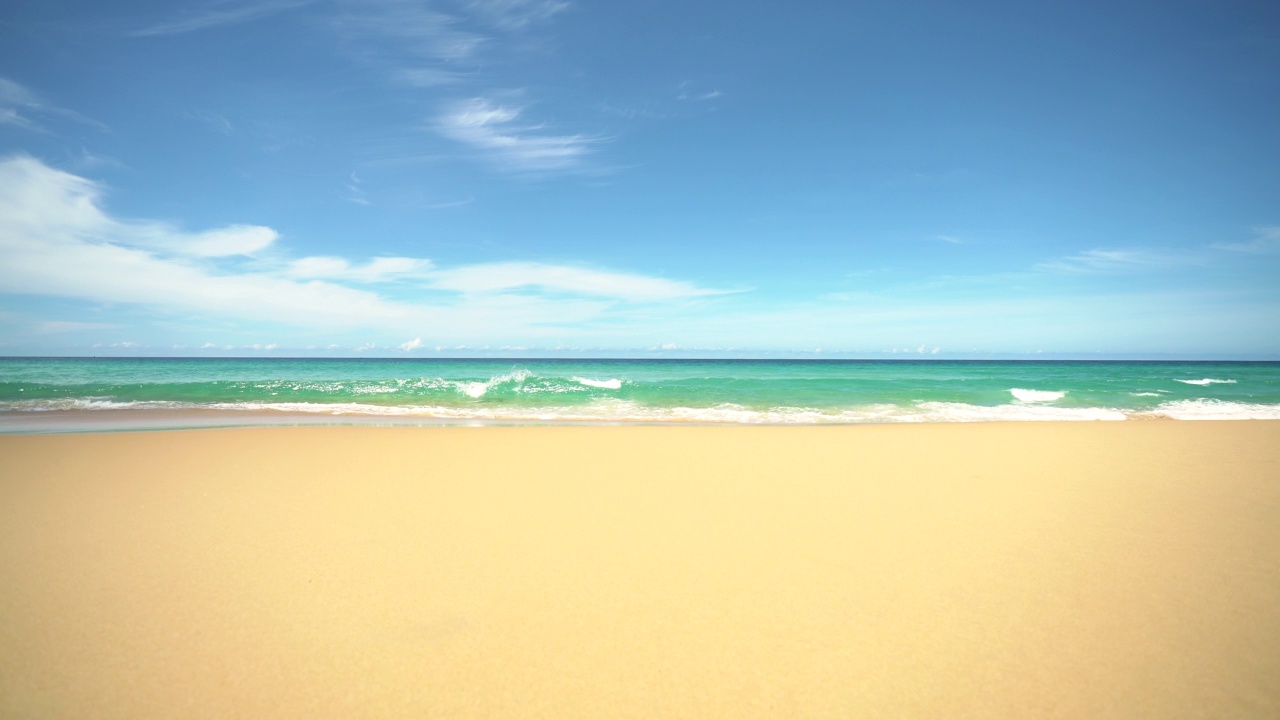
(1266,240)
(517,14)
(1101,261)
(53,204)
(231,240)
(949,239)
(217,15)
(492,129)
(413,344)
(499,277)
(380,269)
(57,241)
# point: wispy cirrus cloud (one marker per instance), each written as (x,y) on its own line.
(20,107)
(435,47)
(1118,261)
(425,44)
(218,14)
(403,34)
(501,277)
(1265,240)
(495,131)
(16,102)
(506,276)
(419,77)
(517,14)
(218,123)
(686,91)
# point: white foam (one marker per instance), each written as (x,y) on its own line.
(94,403)
(964,412)
(1208,381)
(363,389)
(1037,395)
(611,410)
(1145,394)
(1216,410)
(478,389)
(610,384)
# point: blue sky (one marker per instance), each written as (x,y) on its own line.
(539,177)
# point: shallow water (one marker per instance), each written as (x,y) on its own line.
(244,391)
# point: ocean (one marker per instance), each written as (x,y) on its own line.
(71,394)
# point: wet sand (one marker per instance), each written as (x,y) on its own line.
(996,570)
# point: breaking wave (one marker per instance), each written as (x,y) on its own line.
(611,384)
(1037,396)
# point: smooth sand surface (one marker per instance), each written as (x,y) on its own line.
(1076,570)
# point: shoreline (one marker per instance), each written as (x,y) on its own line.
(963,570)
(145,420)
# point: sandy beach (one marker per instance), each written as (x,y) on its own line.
(1010,570)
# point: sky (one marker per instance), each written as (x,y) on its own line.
(426,178)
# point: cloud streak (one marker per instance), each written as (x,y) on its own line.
(429,46)
(217,15)
(1266,240)
(514,15)
(18,105)
(1115,261)
(494,130)
(405,33)
(501,277)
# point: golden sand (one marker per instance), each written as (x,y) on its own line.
(1075,570)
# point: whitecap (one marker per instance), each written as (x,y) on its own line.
(1208,381)
(1037,395)
(478,389)
(474,389)
(610,384)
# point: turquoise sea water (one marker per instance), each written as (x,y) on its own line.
(47,393)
